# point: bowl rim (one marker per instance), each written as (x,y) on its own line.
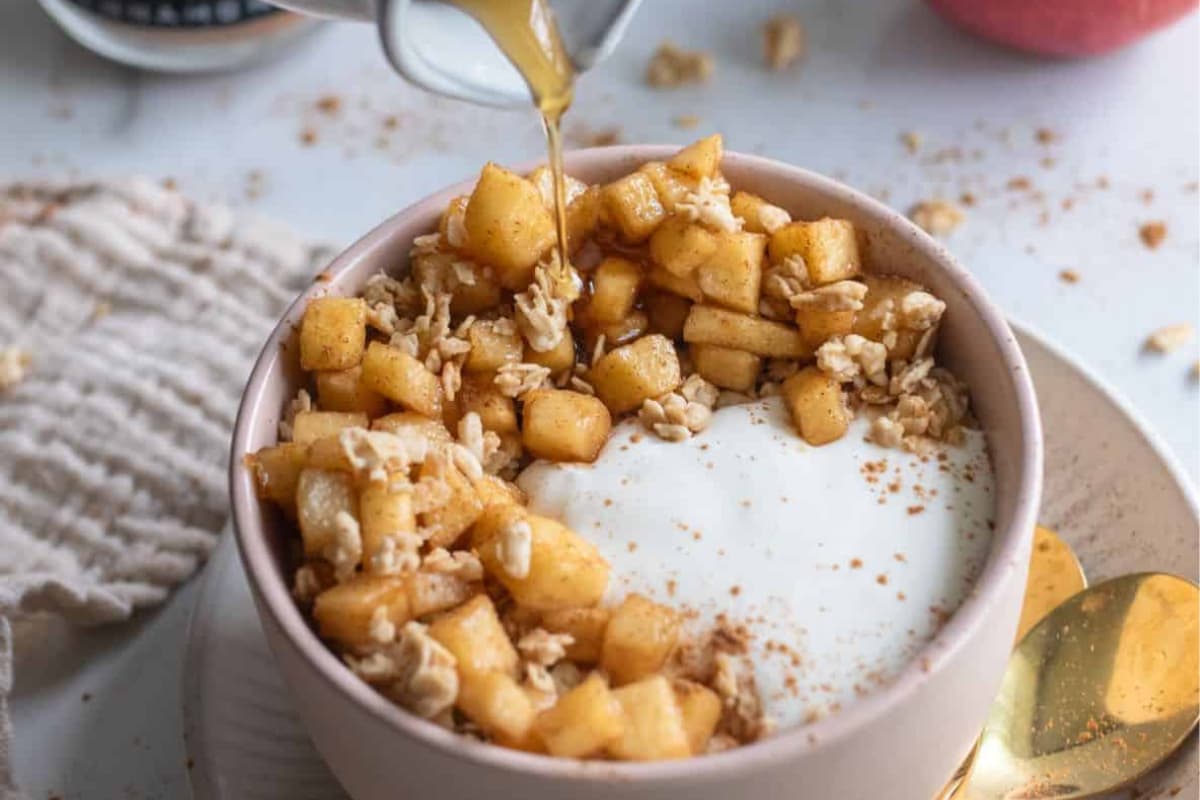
(275,599)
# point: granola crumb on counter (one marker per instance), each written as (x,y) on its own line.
(1170,337)
(686,122)
(783,41)
(1068,276)
(671,67)
(937,217)
(1152,234)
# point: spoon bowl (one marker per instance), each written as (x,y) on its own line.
(1098,693)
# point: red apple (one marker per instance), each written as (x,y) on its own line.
(1062,27)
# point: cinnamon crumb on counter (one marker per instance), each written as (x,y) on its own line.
(308,137)
(1152,234)
(1068,276)
(1019,184)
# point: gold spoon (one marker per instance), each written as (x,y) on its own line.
(1054,575)
(1098,693)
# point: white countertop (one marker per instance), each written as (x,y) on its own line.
(1130,121)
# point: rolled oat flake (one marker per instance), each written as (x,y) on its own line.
(179,35)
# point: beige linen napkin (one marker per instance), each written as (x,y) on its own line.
(129,318)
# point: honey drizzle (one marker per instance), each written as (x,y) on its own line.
(527,34)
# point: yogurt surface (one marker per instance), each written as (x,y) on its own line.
(840,562)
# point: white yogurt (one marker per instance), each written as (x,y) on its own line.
(841,560)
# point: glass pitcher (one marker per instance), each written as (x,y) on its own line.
(436,46)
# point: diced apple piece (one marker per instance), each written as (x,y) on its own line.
(556,360)
(483,293)
(616,333)
(452,225)
(683,286)
(493,346)
(446,523)
(667,313)
(344,612)
(818,325)
(736,370)
(434,592)
(276,472)
(507,225)
(700,159)
(399,377)
(473,633)
(672,186)
(498,705)
(480,395)
(817,406)
(583,215)
(585,625)
(342,390)
(632,205)
(757,214)
(653,722)
(564,569)
(630,374)
(680,246)
(638,640)
(320,496)
(561,425)
(328,453)
(614,289)
(882,289)
(732,277)
(711,325)
(828,246)
(583,722)
(333,333)
(404,422)
(383,513)
(493,490)
(309,426)
(701,709)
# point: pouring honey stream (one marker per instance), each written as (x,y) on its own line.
(527,34)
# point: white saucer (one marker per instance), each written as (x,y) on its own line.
(1112,491)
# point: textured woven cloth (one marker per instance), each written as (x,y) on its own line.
(129,318)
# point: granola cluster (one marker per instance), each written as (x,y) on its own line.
(418,558)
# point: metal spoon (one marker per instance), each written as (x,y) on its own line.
(1054,575)
(1098,693)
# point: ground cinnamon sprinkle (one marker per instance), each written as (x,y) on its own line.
(1019,184)
(856,563)
(1045,136)
(329,104)
(308,137)
(914,510)
(881,579)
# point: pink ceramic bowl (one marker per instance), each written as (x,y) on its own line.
(899,743)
